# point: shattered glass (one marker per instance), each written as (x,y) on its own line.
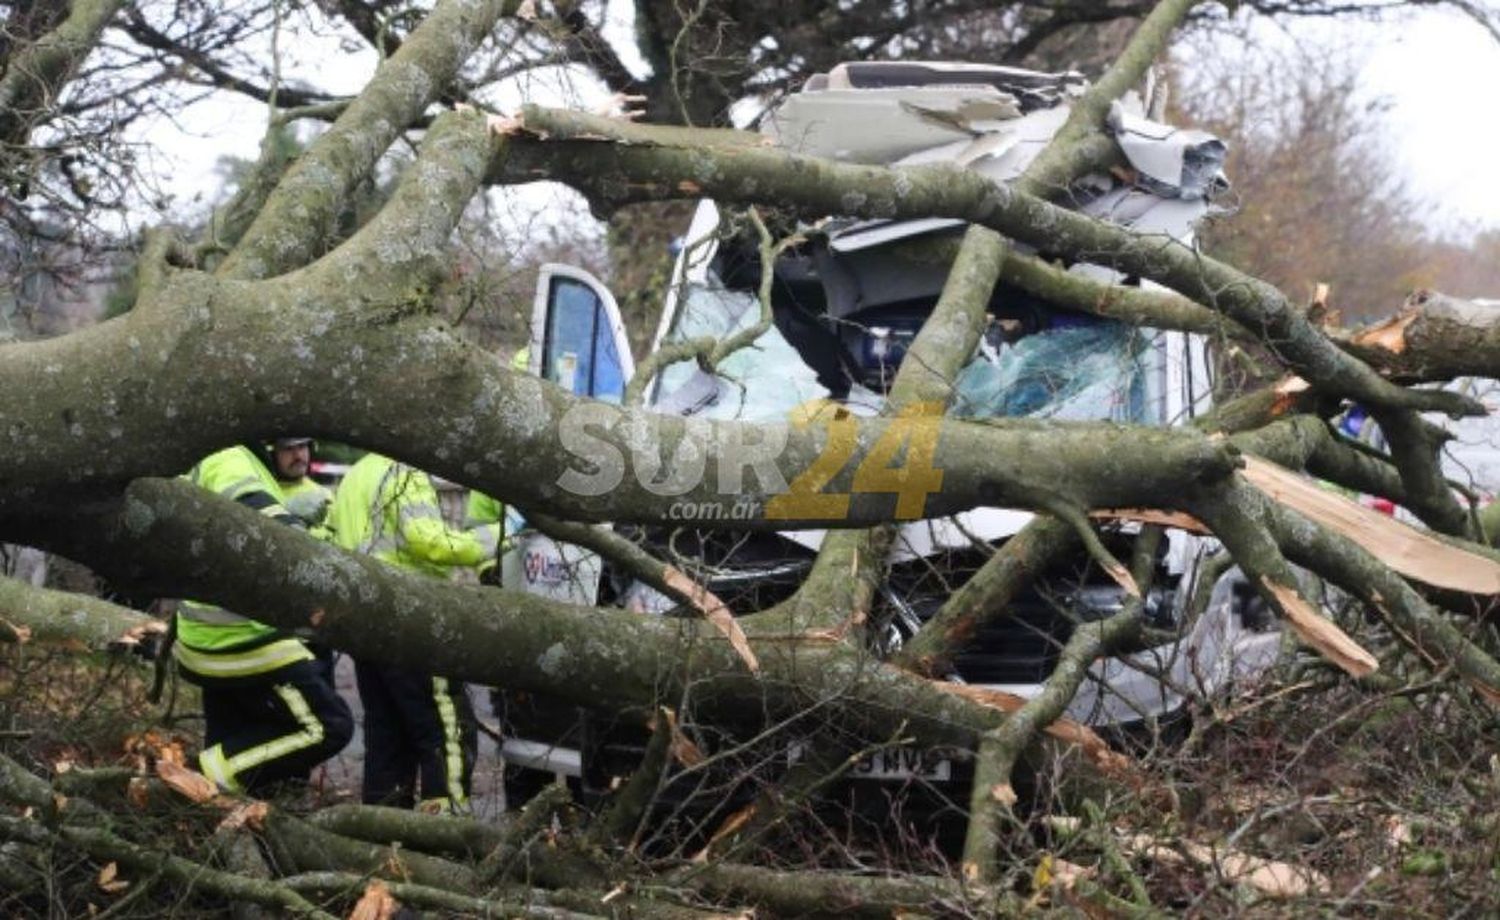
(765,380)
(1080,371)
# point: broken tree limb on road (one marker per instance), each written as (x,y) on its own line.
(43,615)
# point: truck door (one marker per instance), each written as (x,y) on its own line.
(578,342)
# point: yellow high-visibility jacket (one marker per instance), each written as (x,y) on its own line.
(307,498)
(390,511)
(212,641)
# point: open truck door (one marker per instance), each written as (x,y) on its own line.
(578,342)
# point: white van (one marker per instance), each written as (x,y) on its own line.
(846,305)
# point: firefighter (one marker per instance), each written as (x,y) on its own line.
(420,731)
(270,713)
(290,460)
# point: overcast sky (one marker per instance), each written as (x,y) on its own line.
(1441,72)
(1438,70)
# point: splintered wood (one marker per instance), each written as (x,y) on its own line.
(1412,552)
(1389,335)
(1063,729)
(1320,633)
(714,611)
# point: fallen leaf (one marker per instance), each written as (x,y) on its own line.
(1042,877)
(377,903)
(1397,831)
(1066,875)
(109,882)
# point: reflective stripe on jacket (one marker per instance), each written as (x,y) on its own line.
(261,659)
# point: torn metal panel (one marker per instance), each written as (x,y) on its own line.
(884,125)
(1172,162)
(1034,89)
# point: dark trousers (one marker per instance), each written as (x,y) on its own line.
(420,735)
(276,727)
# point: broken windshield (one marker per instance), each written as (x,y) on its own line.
(766,380)
(1083,368)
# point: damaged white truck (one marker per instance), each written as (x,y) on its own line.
(846,303)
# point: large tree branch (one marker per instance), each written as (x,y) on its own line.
(1057,165)
(30,614)
(262,355)
(297,222)
(175,538)
(1425,629)
(1435,337)
(612,174)
(36,74)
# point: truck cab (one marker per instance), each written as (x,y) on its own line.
(845,304)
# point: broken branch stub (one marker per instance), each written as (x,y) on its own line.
(1406,549)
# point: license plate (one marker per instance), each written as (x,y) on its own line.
(897,763)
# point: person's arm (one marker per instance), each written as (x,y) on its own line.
(420,530)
